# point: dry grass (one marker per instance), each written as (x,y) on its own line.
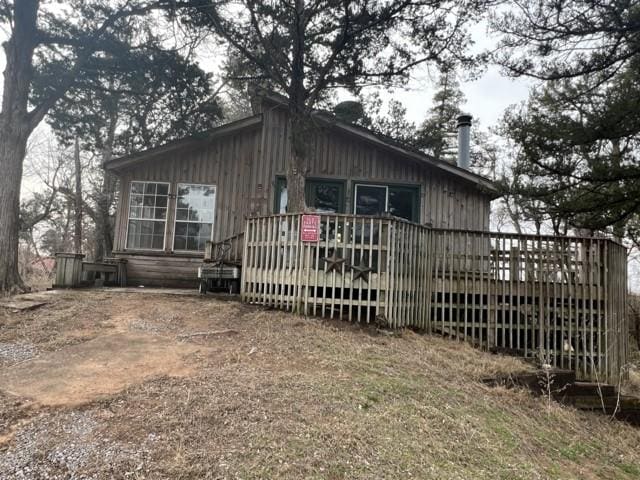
(290,397)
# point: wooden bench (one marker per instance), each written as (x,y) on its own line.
(116,268)
(72,271)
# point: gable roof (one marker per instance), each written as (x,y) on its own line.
(189,142)
(329,120)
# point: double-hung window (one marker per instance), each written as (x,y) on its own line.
(195,209)
(147,215)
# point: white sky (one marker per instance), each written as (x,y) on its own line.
(487,97)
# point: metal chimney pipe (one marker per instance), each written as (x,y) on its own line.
(464,138)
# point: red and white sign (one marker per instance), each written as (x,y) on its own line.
(310,228)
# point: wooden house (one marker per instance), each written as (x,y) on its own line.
(395,237)
(175,197)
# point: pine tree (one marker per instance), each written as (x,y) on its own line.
(579,151)
(437,135)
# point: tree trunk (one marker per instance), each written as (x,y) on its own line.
(103,220)
(16,124)
(66,228)
(77,226)
(296,167)
(298,118)
(12,151)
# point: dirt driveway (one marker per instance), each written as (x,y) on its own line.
(79,359)
(60,362)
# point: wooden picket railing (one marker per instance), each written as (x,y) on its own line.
(227,251)
(560,299)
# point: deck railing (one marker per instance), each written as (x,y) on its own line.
(561,299)
(228,250)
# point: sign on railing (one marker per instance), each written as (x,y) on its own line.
(310,228)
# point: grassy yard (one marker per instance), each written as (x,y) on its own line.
(278,396)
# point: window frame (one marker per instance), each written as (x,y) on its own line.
(175,215)
(370,185)
(166,219)
(281,181)
(417,188)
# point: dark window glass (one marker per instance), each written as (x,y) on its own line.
(180,243)
(325,196)
(370,200)
(322,195)
(399,201)
(403,203)
(162,189)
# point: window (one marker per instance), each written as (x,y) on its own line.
(195,208)
(281,195)
(370,200)
(147,215)
(326,196)
(404,202)
(399,201)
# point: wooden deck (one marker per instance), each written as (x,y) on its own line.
(560,299)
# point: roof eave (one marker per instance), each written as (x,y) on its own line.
(205,137)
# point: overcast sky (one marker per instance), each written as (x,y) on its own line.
(487,97)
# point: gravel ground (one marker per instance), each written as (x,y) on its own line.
(12,353)
(71,446)
(156,322)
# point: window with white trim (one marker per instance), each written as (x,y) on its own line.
(195,209)
(147,215)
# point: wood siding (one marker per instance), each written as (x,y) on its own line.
(162,270)
(225,163)
(244,166)
(445,200)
